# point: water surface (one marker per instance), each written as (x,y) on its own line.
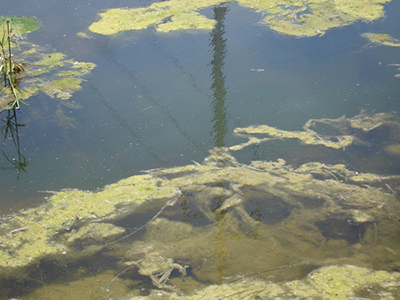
(162,100)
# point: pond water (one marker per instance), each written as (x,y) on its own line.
(159,100)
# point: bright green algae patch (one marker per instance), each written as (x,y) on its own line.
(23,24)
(238,221)
(294,17)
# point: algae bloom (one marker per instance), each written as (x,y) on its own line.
(297,18)
(217,228)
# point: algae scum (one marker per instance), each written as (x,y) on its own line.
(220,228)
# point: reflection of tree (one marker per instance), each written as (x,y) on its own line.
(218,44)
(10,131)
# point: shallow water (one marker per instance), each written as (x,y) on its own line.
(162,100)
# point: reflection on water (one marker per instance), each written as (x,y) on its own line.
(156,101)
(10,133)
(219,51)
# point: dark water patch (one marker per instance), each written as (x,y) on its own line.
(342,229)
(265,207)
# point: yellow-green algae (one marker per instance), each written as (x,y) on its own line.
(381,39)
(351,281)
(257,217)
(33,234)
(292,17)
(45,71)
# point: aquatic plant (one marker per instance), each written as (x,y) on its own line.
(38,67)
(47,71)
(8,67)
(11,70)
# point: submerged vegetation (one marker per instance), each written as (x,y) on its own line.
(295,17)
(203,217)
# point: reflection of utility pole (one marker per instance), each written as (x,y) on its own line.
(11,129)
(218,44)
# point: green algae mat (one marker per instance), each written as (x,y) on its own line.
(221,229)
(291,17)
(42,69)
(45,71)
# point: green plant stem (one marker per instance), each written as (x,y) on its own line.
(9,49)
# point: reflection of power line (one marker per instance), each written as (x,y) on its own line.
(219,51)
(124,123)
(175,62)
(152,99)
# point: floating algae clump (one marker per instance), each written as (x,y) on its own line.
(294,17)
(346,131)
(45,71)
(213,227)
(180,15)
(381,39)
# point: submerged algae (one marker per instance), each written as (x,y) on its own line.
(332,282)
(298,18)
(43,232)
(238,220)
